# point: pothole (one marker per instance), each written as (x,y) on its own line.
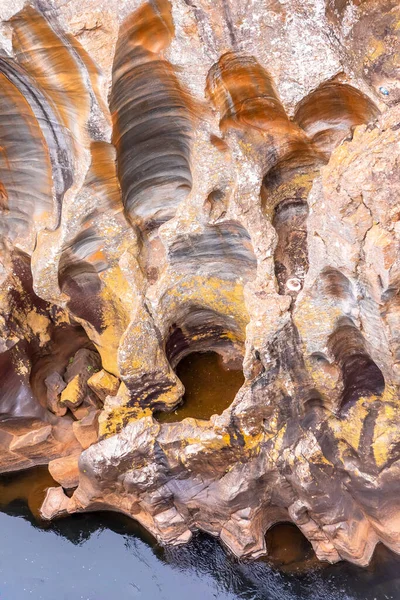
(288,548)
(210,386)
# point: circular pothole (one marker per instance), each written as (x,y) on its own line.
(210,387)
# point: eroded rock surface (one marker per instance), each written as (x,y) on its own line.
(202,177)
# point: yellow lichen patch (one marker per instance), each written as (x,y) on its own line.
(253,442)
(39,325)
(212,293)
(72,396)
(103,384)
(323,376)
(120,410)
(111,422)
(349,428)
(116,286)
(21,367)
(376,49)
(198,446)
(61,317)
(216,443)
(386,432)
(106,344)
(319,458)
(115,318)
(307,318)
(298,186)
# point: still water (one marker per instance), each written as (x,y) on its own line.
(210,387)
(108,557)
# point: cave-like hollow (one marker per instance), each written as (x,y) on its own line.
(205,349)
(288,548)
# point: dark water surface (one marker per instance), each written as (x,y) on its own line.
(108,557)
(210,387)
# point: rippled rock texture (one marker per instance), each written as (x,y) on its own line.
(196,177)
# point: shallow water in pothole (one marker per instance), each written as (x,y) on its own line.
(104,556)
(210,387)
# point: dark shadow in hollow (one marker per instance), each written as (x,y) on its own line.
(25,366)
(224,249)
(203,330)
(361,375)
(79,278)
(284,194)
(335,284)
(288,548)
(291,256)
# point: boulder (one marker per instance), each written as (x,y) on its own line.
(65,470)
(86,430)
(103,384)
(55,384)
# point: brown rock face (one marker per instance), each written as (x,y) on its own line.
(181,180)
(65,471)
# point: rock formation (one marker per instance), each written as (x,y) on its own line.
(178,178)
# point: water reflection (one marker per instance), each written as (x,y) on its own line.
(104,556)
(210,387)
(28,487)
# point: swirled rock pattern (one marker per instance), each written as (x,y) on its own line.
(180,177)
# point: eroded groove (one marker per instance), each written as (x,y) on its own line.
(26,192)
(79,276)
(57,71)
(201,330)
(225,249)
(291,258)
(57,137)
(336,284)
(244,94)
(152,119)
(361,375)
(331,111)
(284,196)
(86,257)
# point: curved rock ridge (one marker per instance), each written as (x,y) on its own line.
(212,187)
(151,115)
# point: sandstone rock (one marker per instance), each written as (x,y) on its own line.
(55,385)
(77,375)
(40,433)
(81,412)
(86,430)
(83,364)
(65,471)
(74,394)
(103,384)
(30,442)
(239,195)
(55,503)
